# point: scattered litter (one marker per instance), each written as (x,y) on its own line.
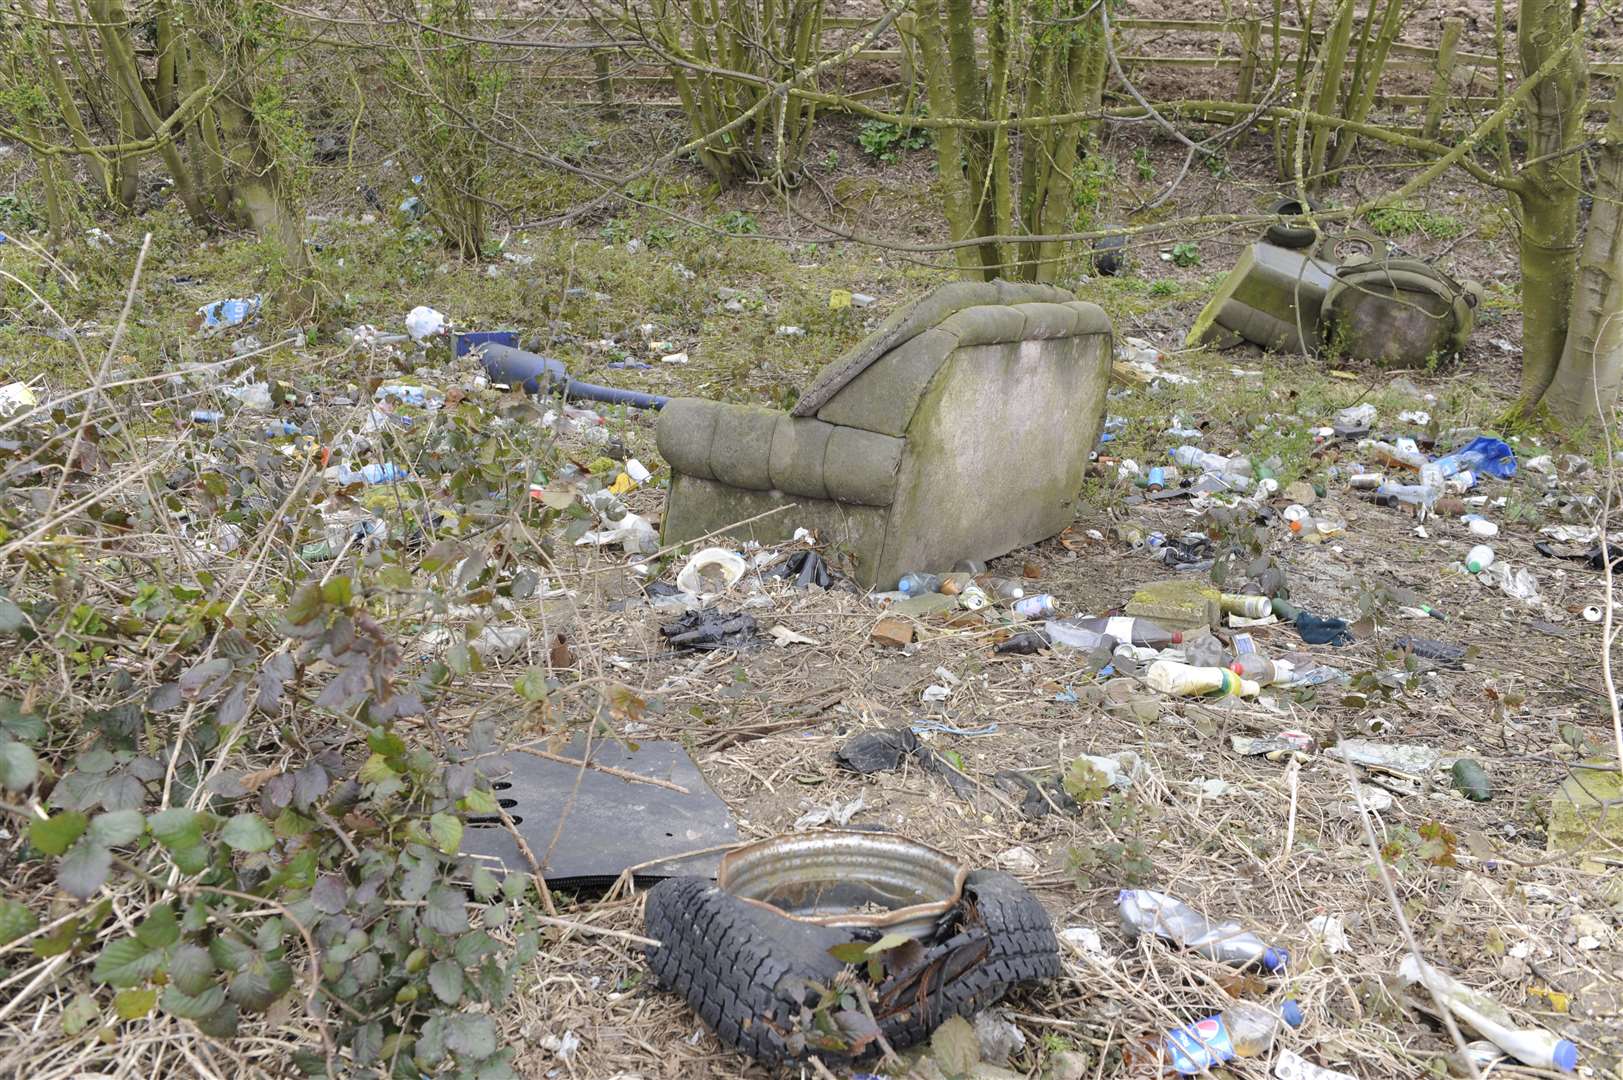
(15,397)
(633,532)
(884,751)
(423,322)
(1330,932)
(1272,747)
(1244,1029)
(805,569)
(254,396)
(223,314)
(1146,912)
(1516,582)
(1427,649)
(1406,758)
(1290,1065)
(501,643)
(1470,780)
(836,813)
(1086,941)
(785,636)
(1484,1016)
(712,630)
(711,571)
(1018,860)
(674,358)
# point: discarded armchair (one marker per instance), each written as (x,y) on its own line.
(960,429)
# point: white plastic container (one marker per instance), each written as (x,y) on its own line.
(1479,558)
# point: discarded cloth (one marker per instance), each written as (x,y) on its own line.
(884,751)
(1322,630)
(712,630)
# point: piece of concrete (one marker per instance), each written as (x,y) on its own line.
(1586,811)
(960,430)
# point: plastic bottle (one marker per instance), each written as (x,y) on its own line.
(917,584)
(1005,589)
(1404,455)
(1065,633)
(1185,680)
(1244,1029)
(1261,670)
(1144,911)
(954,583)
(1326,525)
(375,473)
(1193,457)
(1202,649)
(1418,495)
(1041,606)
(1131,630)
(1479,558)
(1489,1019)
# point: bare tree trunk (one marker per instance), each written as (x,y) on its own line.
(956,201)
(125,71)
(1591,370)
(1549,198)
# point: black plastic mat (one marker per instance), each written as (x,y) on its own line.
(614,823)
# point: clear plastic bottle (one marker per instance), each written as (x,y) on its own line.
(1479,558)
(917,584)
(1244,1029)
(375,473)
(1144,911)
(1131,630)
(1325,525)
(1403,455)
(1261,670)
(1066,633)
(1005,589)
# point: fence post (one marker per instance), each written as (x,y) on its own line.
(605,81)
(1250,39)
(1445,74)
(904,32)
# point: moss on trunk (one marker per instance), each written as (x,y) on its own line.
(1549,200)
(1591,369)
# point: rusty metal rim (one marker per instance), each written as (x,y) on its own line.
(876,846)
